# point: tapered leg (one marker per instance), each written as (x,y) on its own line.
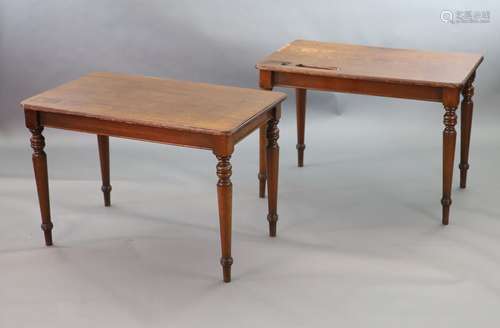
(466,123)
(42,181)
(224,196)
(272,174)
(449,140)
(265,84)
(262,161)
(103,142)
(300,96)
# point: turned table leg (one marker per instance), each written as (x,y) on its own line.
(466,122)
(103,143)
(262,161)
(42,180)
(300,97)
(224,196)
(272,174)
(450,101)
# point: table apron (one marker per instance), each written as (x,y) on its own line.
(254,124)
(358,86)
(129,131)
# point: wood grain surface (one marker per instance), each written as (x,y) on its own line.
(405,66)
(207,108)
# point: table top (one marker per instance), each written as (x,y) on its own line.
(403,66)
(150,101)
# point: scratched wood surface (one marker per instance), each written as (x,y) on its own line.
(441,69)
(183,105)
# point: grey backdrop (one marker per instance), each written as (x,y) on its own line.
(359,242)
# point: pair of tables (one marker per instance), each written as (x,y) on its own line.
(217,117)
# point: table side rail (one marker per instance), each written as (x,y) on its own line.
(127,130)
(256,123)
(374,88)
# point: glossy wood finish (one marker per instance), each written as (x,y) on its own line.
(398,73)
(465,129)
(103,145)
(300,100)
(165,111)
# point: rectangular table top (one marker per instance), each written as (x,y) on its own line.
(402,66)
(201,107)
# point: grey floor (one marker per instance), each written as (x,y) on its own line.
(359,242)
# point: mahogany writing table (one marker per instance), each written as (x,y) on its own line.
(400,73)
(166,111)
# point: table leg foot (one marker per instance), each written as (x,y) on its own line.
(226,263)
(446,202)
(47,233)
(272,219)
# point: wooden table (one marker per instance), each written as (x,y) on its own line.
(165,111)
(400,73)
